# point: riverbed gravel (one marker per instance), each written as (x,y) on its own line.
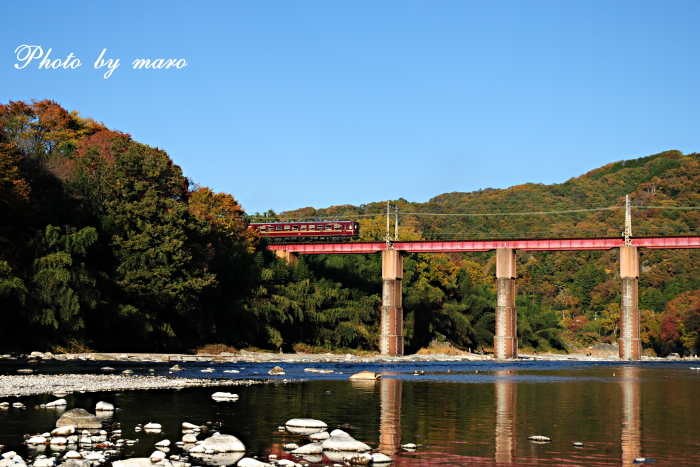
(26,385)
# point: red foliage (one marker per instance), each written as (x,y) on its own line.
(670,331)
(577,323)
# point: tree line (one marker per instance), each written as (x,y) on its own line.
(105,244)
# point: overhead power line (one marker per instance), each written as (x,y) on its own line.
(485,214)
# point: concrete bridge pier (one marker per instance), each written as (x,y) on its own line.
(391,337)
(290,257)
(629,343)
(505,342)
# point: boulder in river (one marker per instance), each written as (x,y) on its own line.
(133,462)
(224,396)
(57,403)
(341,441)
(65,430)
(366,375)
(223,443)
(250,462)
(106,406)
(79,418)
(381,458)
(320,436)
(277,370)
(307,423)
(311,448)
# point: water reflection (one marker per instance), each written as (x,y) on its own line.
(390,416)
(506,392)
(631,425)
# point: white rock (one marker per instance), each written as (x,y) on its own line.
(133,462)
(59,441)
(79,418)
(95,456)
(311,448)
(188,426)
(152,426)
(366,375)
(57,403)
(290,446)
(73,455)
(306,423)
(409,447)
(320,436)
(249,462)
(381,458)
(64,430)
(224,396)
(341,441)
(223,443)
(163,444)
(106,406)
(157,456)
(36,440)
(9,455)
(44,462)
(197,449)
(189,438)
(539,439)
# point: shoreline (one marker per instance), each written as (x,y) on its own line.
(38,383)
(32,385)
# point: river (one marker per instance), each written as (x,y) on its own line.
(457,413)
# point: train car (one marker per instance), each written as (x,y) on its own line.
(319,230)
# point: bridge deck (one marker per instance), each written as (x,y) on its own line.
(454,246)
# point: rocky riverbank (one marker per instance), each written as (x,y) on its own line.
(26,385)
(599,352)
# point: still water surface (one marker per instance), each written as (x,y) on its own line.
(455,415)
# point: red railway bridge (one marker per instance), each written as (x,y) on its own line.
(505,340)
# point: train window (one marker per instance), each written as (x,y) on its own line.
(295,228)
(286,227)
(336,227)
(320,227)
(261,228)
(312,227)
(329,227)
(279,227)
(302,227)
(350,227)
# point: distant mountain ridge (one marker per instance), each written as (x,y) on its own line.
(668,179)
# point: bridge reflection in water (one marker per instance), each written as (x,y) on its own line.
(631,411)
(506,436)
(390,417)
(506,393)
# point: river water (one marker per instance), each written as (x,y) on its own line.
(458,413)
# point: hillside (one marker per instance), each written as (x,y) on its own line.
(575,294)
(105,244)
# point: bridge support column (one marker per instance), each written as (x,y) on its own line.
(505,342)
(391,337)
(629,343)
(290,257)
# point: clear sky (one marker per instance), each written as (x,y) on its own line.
(287,104)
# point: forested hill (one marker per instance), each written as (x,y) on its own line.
(666,179)
(563,297)
(105,244)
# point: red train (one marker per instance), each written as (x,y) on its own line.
(319,230)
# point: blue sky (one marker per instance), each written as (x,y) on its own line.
(317,103)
